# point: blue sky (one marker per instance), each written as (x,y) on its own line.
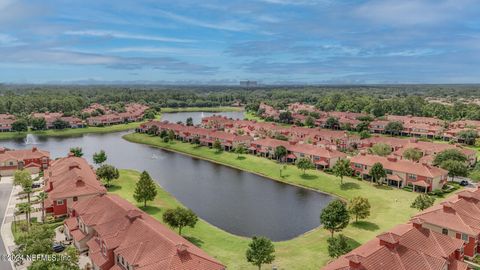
(222,42)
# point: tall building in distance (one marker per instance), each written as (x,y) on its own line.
(248,83)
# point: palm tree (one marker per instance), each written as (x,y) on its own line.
(25,208)
(42,197)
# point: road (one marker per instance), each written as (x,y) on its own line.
(5,190)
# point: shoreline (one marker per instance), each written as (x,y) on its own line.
(125,137)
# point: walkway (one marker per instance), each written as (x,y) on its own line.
(6,236)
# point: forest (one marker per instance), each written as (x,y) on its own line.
(377,100)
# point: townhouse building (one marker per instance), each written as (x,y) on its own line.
(51,117)
(33,160)
(6,121)
(321,157)
(400,173)
(119,236)
(457,217)
(68,180)
(406,246)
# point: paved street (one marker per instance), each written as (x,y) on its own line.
(5,190)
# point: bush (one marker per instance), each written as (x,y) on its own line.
(436,192)
(166,139)
(408,188)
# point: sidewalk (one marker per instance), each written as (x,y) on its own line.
(6,231)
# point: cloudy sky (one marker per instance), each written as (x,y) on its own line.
(213,41)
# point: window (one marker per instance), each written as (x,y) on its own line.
(59,202)
(412,176)
(75,198)
(388,171)
(464,237)
(359,166)
(445,231)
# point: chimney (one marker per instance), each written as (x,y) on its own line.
(132,215)
(70,154)
(354,261)
(182,248)
(363,153)
(447,206)
(389,240)
(34,149)
(2,150)
(417,223)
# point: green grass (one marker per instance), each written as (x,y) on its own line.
(203,109)
(70,131)
(308,251)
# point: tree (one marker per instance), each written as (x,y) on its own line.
(25,208)
(335,216)
(149,114)
(180,218)
(455,168)
(359,207)
(338,246)
(377,172)
(422,202)
(285,117)
(145,189)
(152,130)
(342,168)
(76,151)
(60,124)
(363,126)
(42,196)
(304,164)
(468,136)
(280,152)
(332,122)
(20,125)
(260,251)
(24,179)
(39,123)
(394,127)
(309,121)
(217,145)
(240,150)
(449,154)
(171,135)
(364,134)
(381,149)
(100,157)
(189,121)
(107,173)
(412,154)
(163,134)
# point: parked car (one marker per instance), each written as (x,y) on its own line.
(464,183)
(36,185)
(58,247)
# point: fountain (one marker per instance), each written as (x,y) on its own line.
(30,139)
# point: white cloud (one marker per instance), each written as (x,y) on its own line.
(121,35)
(7,41)
(411,12)
(168,50)
(231,25)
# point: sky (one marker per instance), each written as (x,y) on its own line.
(223,42)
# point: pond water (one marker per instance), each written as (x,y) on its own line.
(197,116)
(239,202)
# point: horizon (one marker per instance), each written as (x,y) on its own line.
(274,42)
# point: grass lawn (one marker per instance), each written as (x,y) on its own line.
(203,109)
(70,131)
(308,251)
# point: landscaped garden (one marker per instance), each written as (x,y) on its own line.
(309,251)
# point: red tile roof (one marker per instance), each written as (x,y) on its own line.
(23,154)
(405,247)
(71,176)
(404,166)
(140,239)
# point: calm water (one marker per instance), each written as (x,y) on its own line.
(197,116)
(238,202)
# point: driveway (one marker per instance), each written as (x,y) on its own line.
(5,190)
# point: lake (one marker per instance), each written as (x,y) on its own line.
(239,202)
